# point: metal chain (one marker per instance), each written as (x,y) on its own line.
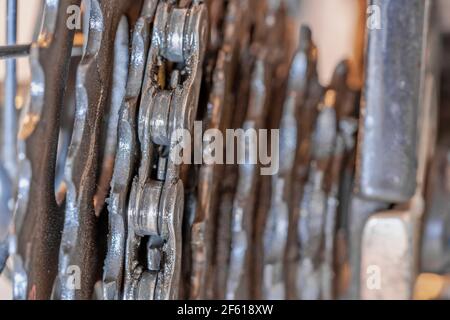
(127,151)
(312,230)
(156,200)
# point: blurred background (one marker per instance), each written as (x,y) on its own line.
(333,23)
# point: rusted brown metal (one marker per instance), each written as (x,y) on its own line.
(38,217)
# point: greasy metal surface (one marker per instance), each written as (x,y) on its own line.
(238,281)
(344,146)
(283,50)
(119,82)
(390,102)
(169,102)
(126,154)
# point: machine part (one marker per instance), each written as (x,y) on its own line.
(218,117)
(265,33)
(244,201)
(360,211)
(435,256)
(344,146)
(167,105)
(227,188)
(390,242)
(93,87)
(305,116)
(119,82)
(387,265)
(106,129)
(313,205)
(391,102)
(275,236)
(14,51)
(127,151)
(401,227)
(9,118)
(38,226)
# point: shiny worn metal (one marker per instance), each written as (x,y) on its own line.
(243,203)
(218,117)
(435,254)
(14,51)
(9,118)
(227,186)
(119,82)
(267,31)
(127,151)
(78,247)
(38,224)
(387,156)
(313,204)
(306,116)
(275,235)
(344,145)
(334,222)
(167,104)
(8,142)
(390,242)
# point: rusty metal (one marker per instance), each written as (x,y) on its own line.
(93,86)
(266,33)
(109,188)
(227,187)
(218,117)
(344,145)
(275,236)
(38,224)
